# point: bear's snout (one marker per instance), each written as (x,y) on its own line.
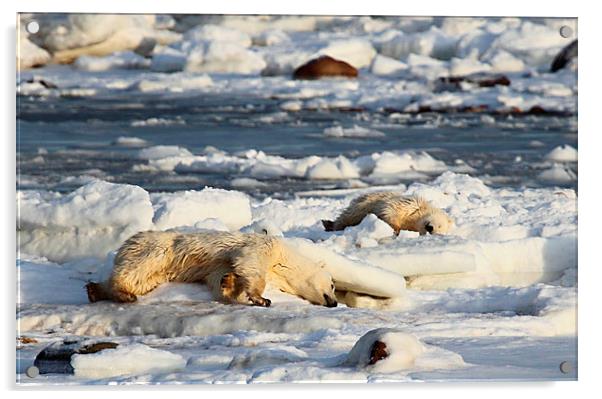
(330,302)
(429,228)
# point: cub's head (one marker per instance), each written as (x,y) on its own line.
(435,222)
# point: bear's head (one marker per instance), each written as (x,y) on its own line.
(434,222)
(319,289)
(301,276)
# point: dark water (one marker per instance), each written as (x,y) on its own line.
(77,137)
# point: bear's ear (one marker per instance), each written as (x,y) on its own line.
(450,220)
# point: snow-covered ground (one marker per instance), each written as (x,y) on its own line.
(494,299)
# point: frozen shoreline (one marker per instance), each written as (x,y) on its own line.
(508,269)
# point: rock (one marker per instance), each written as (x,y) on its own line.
(451,83)
(27,340)
(46,84)
(564,57)
(324,66)
(56,358)
(378,352)
(384,350)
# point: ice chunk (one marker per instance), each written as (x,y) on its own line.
(189,207)
(338,168)
(118,60)
(217,33)
(246,182)
(270,38)
(133,359)
(388,350)
(176,82)
(89,221)
(356,52)
(168,59)
(558,174)
(390,163)
(353,275)
(502,61)
(163,151)
(432,43)
(28,54)
(467,66)
(354,132)
(127,141)
(563,153)
(371,227)
(386,66)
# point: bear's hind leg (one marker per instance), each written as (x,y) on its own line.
(102,291)
(123,296)
(230,287)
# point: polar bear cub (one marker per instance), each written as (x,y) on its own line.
(400,212)
(235,266)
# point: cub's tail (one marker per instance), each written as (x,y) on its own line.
(328,225)
(97,292)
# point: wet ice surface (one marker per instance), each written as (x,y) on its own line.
(78,140)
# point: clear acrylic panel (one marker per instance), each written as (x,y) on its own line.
(235,198)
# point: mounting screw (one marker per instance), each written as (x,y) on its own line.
(565,367)
(566,31)
(33,27)
(32,372)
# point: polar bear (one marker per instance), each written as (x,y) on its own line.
(235,266)
(400,212)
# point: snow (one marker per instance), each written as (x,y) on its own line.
(126,360)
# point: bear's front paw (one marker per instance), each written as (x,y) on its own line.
(260,301)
